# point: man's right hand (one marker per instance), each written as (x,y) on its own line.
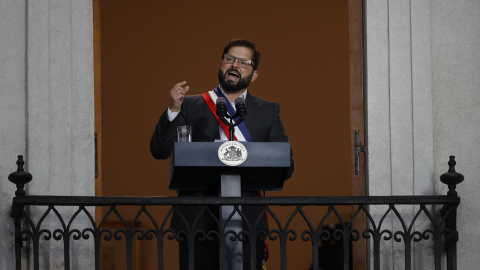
(177,94)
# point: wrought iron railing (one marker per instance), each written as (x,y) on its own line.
(404,220)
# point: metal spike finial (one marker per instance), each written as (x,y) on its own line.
(20,177)
(451,164)
(20,163)
(451,178)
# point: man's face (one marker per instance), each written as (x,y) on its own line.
(233,77)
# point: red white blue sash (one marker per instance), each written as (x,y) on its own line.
(241,131)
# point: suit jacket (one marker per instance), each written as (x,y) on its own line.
(262,120)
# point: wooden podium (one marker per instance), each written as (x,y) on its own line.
(197,166)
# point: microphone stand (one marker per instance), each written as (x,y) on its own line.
(231,184)
(231,125)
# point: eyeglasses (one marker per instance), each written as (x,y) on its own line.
(242,62)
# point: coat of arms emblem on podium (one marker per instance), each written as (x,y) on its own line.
(232,153)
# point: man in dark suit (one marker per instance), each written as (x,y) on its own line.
(237,68)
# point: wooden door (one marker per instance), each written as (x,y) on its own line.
(311,64)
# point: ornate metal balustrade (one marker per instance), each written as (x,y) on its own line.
(402,220)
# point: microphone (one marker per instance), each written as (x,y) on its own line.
(240,107)
(221,107)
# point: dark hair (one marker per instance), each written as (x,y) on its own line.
(247,44)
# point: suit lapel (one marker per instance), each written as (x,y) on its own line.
(251,121)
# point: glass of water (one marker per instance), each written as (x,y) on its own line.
(184,133)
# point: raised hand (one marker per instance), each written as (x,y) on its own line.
(177,95)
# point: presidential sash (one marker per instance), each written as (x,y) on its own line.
(241,131)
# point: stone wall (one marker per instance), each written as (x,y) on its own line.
(12,114)
(47,109)
(455,73)
(423,105)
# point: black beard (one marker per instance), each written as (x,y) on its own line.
(233,87)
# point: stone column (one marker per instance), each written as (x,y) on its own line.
(12,115)
(47,114)
(456,112)
(399,115)
(423,105)
(60,118)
